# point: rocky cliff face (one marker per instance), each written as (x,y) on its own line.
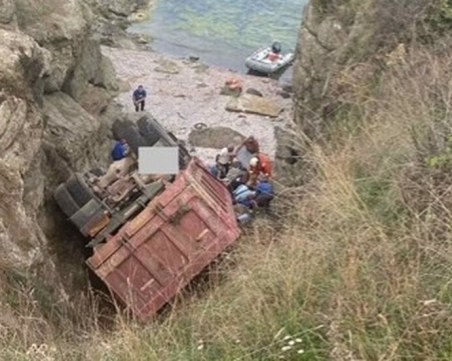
(55,90)
(346,43)
(333,35)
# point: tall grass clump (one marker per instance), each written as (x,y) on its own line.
(361,266)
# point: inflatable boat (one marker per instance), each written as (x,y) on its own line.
(259,61)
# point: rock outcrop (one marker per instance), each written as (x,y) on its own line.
(321,43)
(214,137)
(331,36)
(55,114)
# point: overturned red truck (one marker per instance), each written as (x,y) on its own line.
(150,236)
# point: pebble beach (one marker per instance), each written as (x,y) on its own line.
(184,92)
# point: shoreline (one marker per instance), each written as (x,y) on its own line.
(183,92)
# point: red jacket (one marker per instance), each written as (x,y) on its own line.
(265,166)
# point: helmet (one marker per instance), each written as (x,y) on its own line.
(254,161)
(276,47)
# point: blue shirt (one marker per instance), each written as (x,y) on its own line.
(242,192)
(119,151)
(139,94)
(265,188)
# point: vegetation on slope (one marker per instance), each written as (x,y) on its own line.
(361,269)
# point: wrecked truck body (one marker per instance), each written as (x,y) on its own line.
(149,247)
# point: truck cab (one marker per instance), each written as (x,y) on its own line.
(97,213)
(150,234)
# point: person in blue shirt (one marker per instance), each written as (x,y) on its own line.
(139,98)
(120,150)
(264,192)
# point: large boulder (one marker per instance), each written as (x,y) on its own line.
(22,65)
(8,12)
(253,104)
(60,27)
(214,137)
(77,136)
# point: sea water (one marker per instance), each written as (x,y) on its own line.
(221,32)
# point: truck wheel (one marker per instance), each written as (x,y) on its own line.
(156,128)
(78,189)
(127,130)
(150,133)
(65,201)
(86,215)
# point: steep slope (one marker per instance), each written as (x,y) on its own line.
(55,92)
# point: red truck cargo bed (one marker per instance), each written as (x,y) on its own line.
(173,239)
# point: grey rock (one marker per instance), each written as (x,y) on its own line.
(214,137)
(254,92)
(167,67)
(7,13)
(85,71)
(253,104)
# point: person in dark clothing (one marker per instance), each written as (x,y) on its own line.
(139,97)
(251,144)
(236,175)
(264,193)
(120,150)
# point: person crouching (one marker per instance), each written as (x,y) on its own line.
(264,192)
(222,162)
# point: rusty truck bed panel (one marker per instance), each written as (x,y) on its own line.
(173,239)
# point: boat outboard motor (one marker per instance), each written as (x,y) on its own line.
(276,47)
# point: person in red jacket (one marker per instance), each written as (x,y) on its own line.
(260,165)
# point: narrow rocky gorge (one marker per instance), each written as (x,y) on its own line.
(56,111)
(55,116)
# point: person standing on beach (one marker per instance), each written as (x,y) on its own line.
(139,97)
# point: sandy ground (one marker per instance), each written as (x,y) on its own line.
(192,94)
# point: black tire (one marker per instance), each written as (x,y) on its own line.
(86,215)
(157,128)
(166,138)
(65,201)
(200,126)
(150,133)
(128,131)
(78,189)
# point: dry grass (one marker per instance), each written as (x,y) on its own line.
(360,268)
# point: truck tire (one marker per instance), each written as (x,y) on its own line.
(78,189)
(128,131)
(150,133)
(154,129)
(65,201)
(87,214)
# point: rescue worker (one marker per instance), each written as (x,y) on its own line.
(260,165)
(120,150)
(251,144)
(244,195)
(236,175)
(139,98)
(264,192)
(222,162)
